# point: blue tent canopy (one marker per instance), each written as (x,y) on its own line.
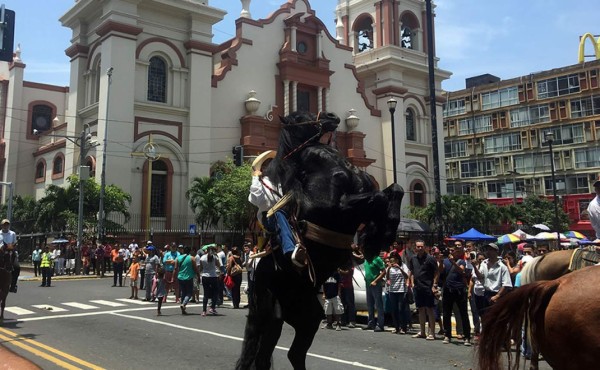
(475,236)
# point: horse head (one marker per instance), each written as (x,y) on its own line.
(303,128)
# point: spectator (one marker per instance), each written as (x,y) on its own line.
(118,262)
(374,274)
(210,266)
(152,263)
(476,290)
(36,259)
(168,261)
(495,277)
(161,290)
(331,302)
(396,275)
(185,265)
(234,269)
(70,255)
(100,266)
(424,275)
(107,257)
(133,272)
(455,292)
(347,296)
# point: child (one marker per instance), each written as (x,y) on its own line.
(332,304)
(133,272)
(161,289)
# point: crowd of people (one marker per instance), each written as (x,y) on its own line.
(460,280)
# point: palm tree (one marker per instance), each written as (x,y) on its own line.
(203,203)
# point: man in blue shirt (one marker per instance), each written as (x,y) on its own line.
(455,291)
(170,277)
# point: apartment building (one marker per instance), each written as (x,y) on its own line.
(497,138)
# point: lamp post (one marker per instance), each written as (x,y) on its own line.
(549,136)
(83,141)
(514,183)
(10,199)
(392,108)
(103,174)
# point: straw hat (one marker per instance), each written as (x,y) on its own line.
(262,157)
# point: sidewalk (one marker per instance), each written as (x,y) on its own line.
(27,274)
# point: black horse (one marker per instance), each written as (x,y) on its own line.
(6,268)
(331,199)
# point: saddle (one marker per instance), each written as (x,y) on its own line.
(582,258)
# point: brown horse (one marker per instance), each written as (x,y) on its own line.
(553,265)
(563,316)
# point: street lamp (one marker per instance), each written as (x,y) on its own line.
(392,108)
(549,136)
(103,174)
(514,183)
(84,142)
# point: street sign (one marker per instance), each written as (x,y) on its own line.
(192,229)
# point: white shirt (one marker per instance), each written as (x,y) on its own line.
(495,276)
(594,213)
(132,247)
(263,195)
(8,237)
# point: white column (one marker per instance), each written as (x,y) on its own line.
(319,44)
(352,42)
(320,99)
(375,36)
(286,97)
(294,96)
(245,9)
(326,98)
(293,40)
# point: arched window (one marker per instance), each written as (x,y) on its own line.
(364,34)
(418,195)
(409,25)
(157,80)
(158,197)
(411,133)
(97,74)
(40,171)
(58,166)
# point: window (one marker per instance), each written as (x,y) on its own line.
(520,117)
(578,184)
(418,195)
(158,196)
(40,171)
(585,107)
(502,143)
(157,80)
(549,185)
(454,107)
(411,133)
(477,168)
(505,189)
(558,86)
(455,149)
(58,165)
(532,163)
(482,124)
(41,118)
(587,157)
(499,98)
(459,189)
(571,134)
(303,102)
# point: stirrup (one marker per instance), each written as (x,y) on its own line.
(299,249)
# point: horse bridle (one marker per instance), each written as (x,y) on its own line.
(315,136)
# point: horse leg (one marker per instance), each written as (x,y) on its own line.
(305,321)
(268,340)
(534,360)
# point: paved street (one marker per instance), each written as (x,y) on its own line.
(86,323)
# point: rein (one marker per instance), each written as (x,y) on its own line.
(317,135)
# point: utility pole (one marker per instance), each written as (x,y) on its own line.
(101,215)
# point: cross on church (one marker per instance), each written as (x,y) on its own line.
(152,154)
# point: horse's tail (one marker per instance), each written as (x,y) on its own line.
(504,320)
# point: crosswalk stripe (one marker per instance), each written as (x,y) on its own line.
(108,303)
(134,301)
(49,308)
(18,311)
(82,306)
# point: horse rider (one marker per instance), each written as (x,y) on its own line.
(9,240)
(264,194)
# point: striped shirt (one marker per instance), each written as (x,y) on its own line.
(396,280)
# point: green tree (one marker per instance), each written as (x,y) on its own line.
(203,202)
(24,214)
(230,190)
(539,210)
(58,209)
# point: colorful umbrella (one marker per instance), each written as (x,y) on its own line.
(523,235)
(541,227)
(205,247)
(508,238)
(544,235)
(575,234)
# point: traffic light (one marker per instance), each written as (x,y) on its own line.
(238,155)
(7,34)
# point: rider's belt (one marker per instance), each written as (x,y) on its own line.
(328,237)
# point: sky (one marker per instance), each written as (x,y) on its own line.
(508,38)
